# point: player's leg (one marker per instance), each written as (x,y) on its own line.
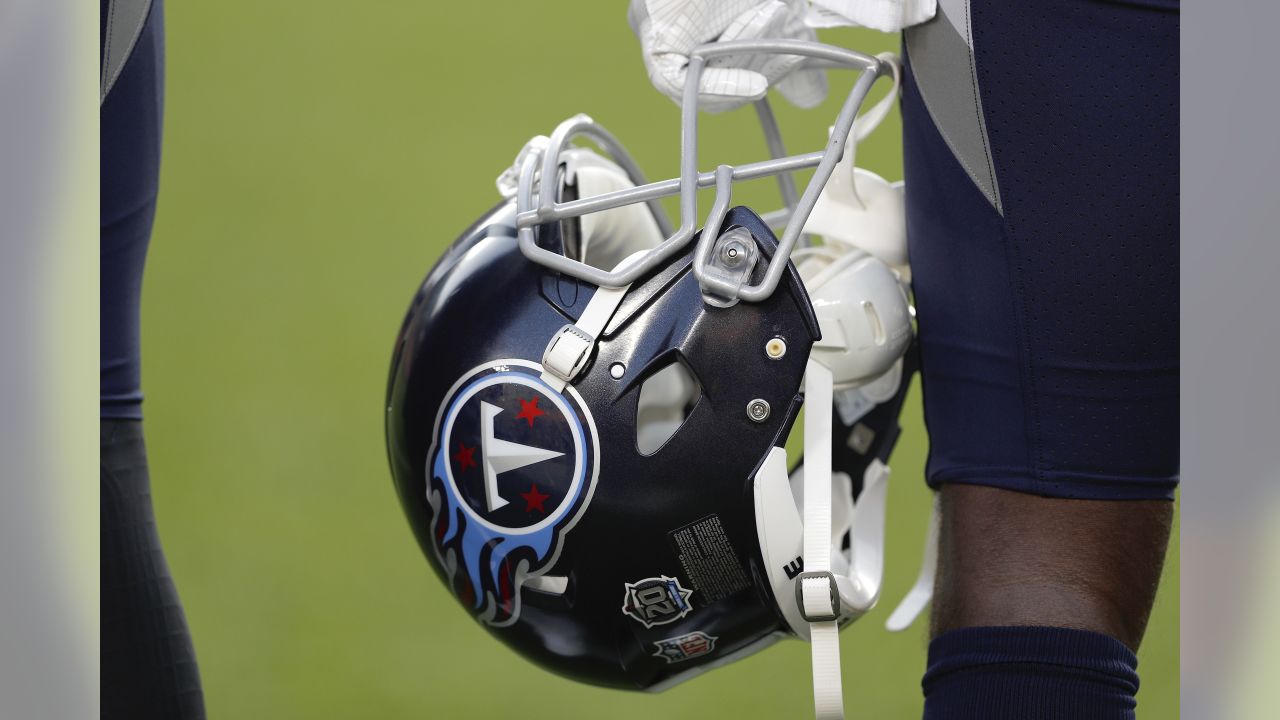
(1009,558)
(148,662)
(1041,164)
(1041,603)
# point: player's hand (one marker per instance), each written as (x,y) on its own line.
(670,29)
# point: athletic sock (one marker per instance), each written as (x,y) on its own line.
(1029,673)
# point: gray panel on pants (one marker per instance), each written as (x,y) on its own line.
(125,19)
(942,61)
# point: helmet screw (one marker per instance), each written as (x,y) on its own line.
(775,348)
(617,370)
(758,410)
(733,253)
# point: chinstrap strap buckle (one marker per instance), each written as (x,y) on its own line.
(818,596)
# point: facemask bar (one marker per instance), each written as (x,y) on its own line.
(581,125)
(773,140)
(690,180)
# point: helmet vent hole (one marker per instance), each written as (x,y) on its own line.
(873,319)
(666,399)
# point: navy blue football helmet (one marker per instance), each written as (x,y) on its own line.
(587,407)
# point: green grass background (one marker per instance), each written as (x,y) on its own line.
(318,158)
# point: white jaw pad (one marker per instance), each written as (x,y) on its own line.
(610,235)
(860,208)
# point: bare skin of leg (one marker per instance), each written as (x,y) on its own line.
(1008,558)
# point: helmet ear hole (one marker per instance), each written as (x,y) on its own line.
(666,399)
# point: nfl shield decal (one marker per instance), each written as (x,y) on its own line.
(685,647)
(656,601)
(512,466)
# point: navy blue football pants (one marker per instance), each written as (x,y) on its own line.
(1041,162)
(129,172)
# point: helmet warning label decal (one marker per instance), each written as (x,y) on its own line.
(708,559)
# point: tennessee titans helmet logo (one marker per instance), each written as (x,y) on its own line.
(511,469)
